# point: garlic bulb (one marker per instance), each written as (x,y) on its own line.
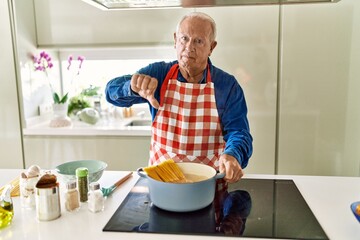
(33,171)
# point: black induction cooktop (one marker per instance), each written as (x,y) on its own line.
(259,208)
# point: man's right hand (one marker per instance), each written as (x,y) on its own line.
(145,86)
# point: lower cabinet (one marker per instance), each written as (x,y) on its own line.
(120,152)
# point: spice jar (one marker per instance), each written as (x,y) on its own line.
(96,198)
(72,202)
(82,176)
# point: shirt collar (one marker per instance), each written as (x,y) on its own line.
(203,80)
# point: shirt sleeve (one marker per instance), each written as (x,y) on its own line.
(235,126)
(118,92)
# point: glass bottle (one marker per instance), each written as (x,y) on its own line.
(96,198)
(27,191)
(72,200)
(82,176)
(6,207)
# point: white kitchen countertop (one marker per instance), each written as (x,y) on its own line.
(101,128)
(328,197)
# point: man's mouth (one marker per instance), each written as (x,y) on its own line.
(188,57)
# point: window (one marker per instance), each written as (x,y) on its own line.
(100,66)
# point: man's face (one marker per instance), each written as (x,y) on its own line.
(192,43)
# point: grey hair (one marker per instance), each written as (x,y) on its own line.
(202,16)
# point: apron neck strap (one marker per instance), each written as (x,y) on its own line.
(173,74)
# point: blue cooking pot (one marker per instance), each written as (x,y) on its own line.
(184,197)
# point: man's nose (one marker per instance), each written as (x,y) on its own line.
(190,46)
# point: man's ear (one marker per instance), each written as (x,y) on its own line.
(174,39)
(212,46)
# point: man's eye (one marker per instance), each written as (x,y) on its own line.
(198,41)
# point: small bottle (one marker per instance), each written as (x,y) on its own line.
(82,176)
(6,207)
(72,201)
(96,199)
(27,183)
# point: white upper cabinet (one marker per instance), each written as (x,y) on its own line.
(73,22)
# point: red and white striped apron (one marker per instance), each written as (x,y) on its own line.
(186,127)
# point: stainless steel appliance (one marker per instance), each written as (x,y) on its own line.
(250,208)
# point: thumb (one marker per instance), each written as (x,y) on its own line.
(153,101)
(222,168)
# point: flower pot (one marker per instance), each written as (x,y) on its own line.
(60,118)
(60,109)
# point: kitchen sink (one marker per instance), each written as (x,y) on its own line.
(139,122)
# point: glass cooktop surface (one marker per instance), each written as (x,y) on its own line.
(250,208)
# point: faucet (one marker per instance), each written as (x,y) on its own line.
(141,114)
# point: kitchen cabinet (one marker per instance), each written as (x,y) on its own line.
(72,23)
(10,124)
(319,83)
(119,152)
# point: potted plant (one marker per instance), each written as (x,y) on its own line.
(44,63)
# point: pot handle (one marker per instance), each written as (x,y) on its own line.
(219,175)
(141,173)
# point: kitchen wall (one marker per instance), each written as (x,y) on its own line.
(238,52)
(33,88)
(296,64)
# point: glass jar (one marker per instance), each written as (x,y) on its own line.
(27,191)
(96,199)
(72,200)
(82,176)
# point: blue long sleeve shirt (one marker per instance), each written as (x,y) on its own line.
(229,97)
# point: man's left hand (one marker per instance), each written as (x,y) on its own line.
(231,167)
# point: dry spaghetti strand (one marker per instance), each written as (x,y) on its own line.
(15,191)
(167,171)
